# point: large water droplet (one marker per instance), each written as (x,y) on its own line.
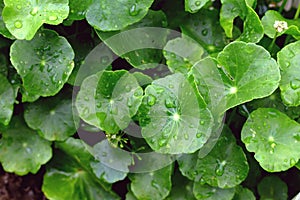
(133,11)
(197,3)
(220,168)
(18,24)
(198,135)
(34,11)
(170,103)
(295,84)
(19,7)
(151,100)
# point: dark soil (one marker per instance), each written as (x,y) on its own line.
(13,187)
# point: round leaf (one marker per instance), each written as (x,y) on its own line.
(158,184)
(203,191)
(182,54)
(224,170)
(43,63)
(173,117)
(24,17)
(243,193)
(248,73)
(109,99)
(7,101)
(273,137)
(289,62)
(272,187)
(22,150)
(125,13)
(51,117)
(268,22)
(193,6)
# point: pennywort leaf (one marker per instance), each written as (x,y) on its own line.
(125,13)
(7,101)
(22,150)
(272,187)
(173,118)
(204,191)
(275,146)
(44,63)
(289,62)
(109,99)
(193,6)
(23,18)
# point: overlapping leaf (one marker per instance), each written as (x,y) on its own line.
(109,99)
(174,118)
(69,175)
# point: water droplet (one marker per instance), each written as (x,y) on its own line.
(204,32)
(34,11)
(202,122)
(175,137)
(98,105)
(18,24)
(49,68)
(295,84)
(292,162)
(186,136)
(86,98)
(198,135)
(155,185)
(234,9)
(137,93)
(173,55)
(197,3)
(133,11)
(19,7)
(170,103)
(162,142)
(220,168)
(171,86)
(202,181)
(52,18)
(151,100)
(85,111)
(128,88)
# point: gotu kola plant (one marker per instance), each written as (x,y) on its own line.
(167,100)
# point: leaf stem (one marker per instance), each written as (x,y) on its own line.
(282,6)
(288,38)
(273,42)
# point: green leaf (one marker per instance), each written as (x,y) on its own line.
(193,6)
(289,61)
(3,29)
(44,63)
(273,137)
(203,191)
(109,99)
(69,175)
(173,117)
(23,18)
(253,29)
(243,193)
(204,27)
(182,188)
(182,53)
(114,162)
(272,187)
(246,72)
(78,9)
(137,52)
(224,170)
(51,117)
(125,13)
(158,184)
(7,97)
(268,22)
(130,196)
(22,150)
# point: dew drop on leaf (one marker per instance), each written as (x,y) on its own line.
(53,18)
(204,32)
(292,162)
(169,103)
(162,142)
(295,84)
(220,168)
(151,100)
(186,136)
(18,24)
(197,3)
(198,135)
(34,11)
(133,11)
